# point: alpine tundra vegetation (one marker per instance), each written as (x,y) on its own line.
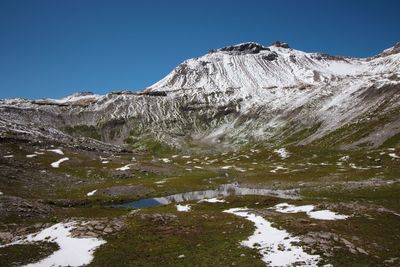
(249,155)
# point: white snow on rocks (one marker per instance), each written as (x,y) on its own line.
(57,151)
(309,210)
(282,152)
(77,97)
(393,155)
(184,208)
(287,208)
(8,156)
(278,168)
(226,167)
(57,163)
(211,200)
(91,193)
(73,251)
(274,245)
(31,155)
(326,215)
(124,168)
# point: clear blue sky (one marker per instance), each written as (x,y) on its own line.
(54,48)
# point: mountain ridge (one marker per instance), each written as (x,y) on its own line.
(230,97)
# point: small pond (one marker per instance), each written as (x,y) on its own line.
(223,191)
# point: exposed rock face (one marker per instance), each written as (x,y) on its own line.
(271,56)
(281,44)
(245,48)
(230,97)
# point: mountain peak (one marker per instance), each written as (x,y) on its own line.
(243,48)
(280,44)
(252,66)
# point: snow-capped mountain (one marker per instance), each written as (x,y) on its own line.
(233,96)
(254,67)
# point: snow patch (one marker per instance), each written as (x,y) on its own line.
(282,152)
(277,168)
(309,210)
(211,200)
(274,245)
(31,155)
(57,151)
(287,208)
(57,163)
(73,251)
(166,160)
(124,168)
(91,193)
(226,167)
(184,208)
(326,215)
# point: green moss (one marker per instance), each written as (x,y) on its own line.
(300,135)
(22,254)
(83,130)
(393,141)
(149,144)
(205,238)
(354,131)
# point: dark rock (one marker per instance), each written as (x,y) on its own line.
(122,174)
(159,218)
(281,44)
(108,230)
(155,93)
(245,48)
(271,56)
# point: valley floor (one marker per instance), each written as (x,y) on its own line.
(305,206)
